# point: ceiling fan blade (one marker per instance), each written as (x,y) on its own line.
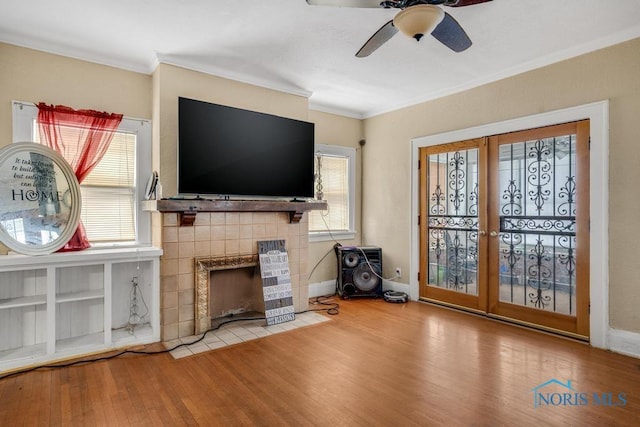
(346,3)
(380,37)
(450,33)
(458,3)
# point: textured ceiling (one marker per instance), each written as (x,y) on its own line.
(309,50)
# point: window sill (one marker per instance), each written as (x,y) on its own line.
(326,236)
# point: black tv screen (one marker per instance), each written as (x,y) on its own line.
(229,151)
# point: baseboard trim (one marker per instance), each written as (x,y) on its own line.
(388,285)
(328,287)
(624,342)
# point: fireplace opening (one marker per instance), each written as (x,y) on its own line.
(235,291)
(226,285)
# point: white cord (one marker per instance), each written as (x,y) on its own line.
(371,267)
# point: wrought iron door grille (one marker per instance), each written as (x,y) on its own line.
(453,220)
(538,223)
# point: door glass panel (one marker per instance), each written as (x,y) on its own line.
(452,220)
(538,224)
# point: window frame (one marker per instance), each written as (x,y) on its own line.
(350,154)
(24,114)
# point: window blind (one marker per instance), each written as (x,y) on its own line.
(108,192)
(335,186)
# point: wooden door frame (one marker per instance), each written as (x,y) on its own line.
(598,115)
(470,302)
(574,325)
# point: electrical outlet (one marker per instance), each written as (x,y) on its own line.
(398,272)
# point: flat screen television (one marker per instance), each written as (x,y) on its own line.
(227,151)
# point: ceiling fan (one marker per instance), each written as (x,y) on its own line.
(415,19)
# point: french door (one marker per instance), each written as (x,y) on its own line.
(504,226)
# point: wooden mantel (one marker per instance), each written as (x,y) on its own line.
(188,208)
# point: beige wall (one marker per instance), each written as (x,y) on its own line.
(32,76)
(347,132)
(173,82)
(612,74)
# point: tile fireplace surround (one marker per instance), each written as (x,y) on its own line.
(215,236)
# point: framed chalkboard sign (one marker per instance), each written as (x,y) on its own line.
(40,199)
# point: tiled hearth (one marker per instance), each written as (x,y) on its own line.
(221,234)
(238,332)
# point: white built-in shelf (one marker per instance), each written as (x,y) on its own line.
(79,296)
(72,343)
(63,305)
(23,301)
(24,352)
(123,336)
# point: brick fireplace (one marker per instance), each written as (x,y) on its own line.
(214,240)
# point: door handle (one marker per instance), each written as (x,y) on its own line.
(482,232)
(493,234)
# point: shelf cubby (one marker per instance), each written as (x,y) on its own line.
(63,305)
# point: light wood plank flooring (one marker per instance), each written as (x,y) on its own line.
(374,364)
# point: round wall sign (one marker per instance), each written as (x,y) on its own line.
(40,199)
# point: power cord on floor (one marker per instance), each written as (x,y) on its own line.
(333,310)
(334,307)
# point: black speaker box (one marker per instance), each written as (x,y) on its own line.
(359,271)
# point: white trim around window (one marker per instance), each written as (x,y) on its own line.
(24,116)
(349,154)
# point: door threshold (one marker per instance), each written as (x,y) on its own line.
(513,322)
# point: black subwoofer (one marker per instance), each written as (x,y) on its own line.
(359,271)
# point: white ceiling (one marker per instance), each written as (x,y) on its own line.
(310,50)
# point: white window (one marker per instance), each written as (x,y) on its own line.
(335,178)
(112,192)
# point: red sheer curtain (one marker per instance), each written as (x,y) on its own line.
(83,147)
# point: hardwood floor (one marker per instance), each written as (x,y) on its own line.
(375,363)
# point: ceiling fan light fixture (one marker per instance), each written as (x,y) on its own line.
(416,21)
